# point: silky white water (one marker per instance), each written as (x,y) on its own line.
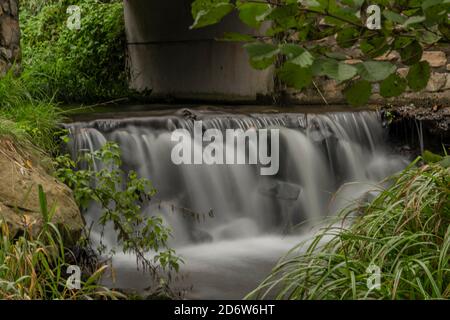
(247,219)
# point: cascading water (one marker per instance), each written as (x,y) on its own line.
(247,217)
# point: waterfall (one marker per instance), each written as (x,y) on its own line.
(247,218)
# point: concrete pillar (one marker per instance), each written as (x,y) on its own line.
(173,61)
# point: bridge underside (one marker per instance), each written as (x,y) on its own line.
(175,62)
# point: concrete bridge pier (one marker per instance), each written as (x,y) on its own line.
(175,62)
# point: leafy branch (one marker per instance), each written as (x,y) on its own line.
(317,38)
(96,177)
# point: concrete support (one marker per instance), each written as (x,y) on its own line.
(173,61)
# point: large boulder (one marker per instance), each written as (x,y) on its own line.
(20,176)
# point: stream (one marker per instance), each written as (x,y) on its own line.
(247,218)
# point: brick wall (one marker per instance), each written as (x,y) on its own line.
(9,35)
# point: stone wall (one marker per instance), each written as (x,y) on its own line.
(437,91)
(9,35)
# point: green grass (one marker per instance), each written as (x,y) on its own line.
(29,119)
(34,266)
(405,231)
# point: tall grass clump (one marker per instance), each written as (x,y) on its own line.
(34,266)
(28,118)
(404,231)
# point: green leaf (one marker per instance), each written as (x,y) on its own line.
(358,93)
(262,55)
(297,55)
(336,55)
(339,71)
(316,5)
(43,204)
(436,11)
(393,86)
(412,53)
(285,16)
(427,37)
(402,42)
(413,20)
(347,37)
(394,17)
(295,76)
(374,46)
(252,13)
(339,14)
(444,28)
(418,75)
(430,3)
(375,71)
(430,157)
(445,162)
(208,12)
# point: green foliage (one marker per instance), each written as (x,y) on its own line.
(405,231)
(418,76)
(31,120)
(393,86)
(74,65)
(294,28)
(122,197)
(207,12)
(432,158)
(34,266)
(295,76)
(358,92)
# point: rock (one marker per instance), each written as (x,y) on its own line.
(353,61)
(331,89)
(9,35)
(435,58)
(280,190)
(403,72)
(437,82)
(14,8)
(200,236)
(388,57)
(5,6)
(20,176)
(6,31)
(6,53)
(447,83)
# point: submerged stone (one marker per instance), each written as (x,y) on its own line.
(280,190)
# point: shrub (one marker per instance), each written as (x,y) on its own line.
(96,177)
(405,231)
(74,65)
